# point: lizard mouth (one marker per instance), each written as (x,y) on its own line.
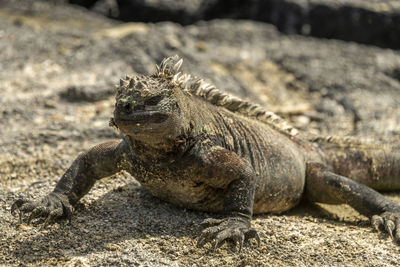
(141,117)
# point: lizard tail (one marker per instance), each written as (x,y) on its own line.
(375,165)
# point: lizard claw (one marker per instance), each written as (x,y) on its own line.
(389,227)
(209,222)
(389,222)
(234,234)
(376,222)
(52,206)
(38,212)
(220,230)
(16,205)
(252,233)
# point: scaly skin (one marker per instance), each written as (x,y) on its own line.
(202,156)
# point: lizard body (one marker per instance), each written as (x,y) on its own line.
(198,148)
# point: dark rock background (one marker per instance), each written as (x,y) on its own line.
(374,22)
(58,66)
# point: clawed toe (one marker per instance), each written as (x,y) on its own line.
(377,222)
(37,212)
(17,204)
(51,207)
(388,222)
(389,227)
(53,215)
(22,206)
(209,222)
(252,233)
(235,234)
(218,231)
(208,235)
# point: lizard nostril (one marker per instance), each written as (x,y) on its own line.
(127,107)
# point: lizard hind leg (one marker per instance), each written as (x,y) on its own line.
(324,186)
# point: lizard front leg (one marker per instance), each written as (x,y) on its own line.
(326,187)
(98,162)
(225,169)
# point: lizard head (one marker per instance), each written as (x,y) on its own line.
(149,108)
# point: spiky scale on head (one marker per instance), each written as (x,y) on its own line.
(169,67)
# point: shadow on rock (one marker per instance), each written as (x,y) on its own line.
(126,213)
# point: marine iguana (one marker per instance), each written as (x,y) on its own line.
(199,148)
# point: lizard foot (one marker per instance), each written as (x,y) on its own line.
(390,222)
(220,230)
(52,206)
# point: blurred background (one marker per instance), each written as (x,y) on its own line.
(371,22)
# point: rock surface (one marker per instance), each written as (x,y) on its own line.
(58,66)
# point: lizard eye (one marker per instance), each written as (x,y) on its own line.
(153,101)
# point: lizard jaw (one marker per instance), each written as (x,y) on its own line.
(141,117)
(144,124)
